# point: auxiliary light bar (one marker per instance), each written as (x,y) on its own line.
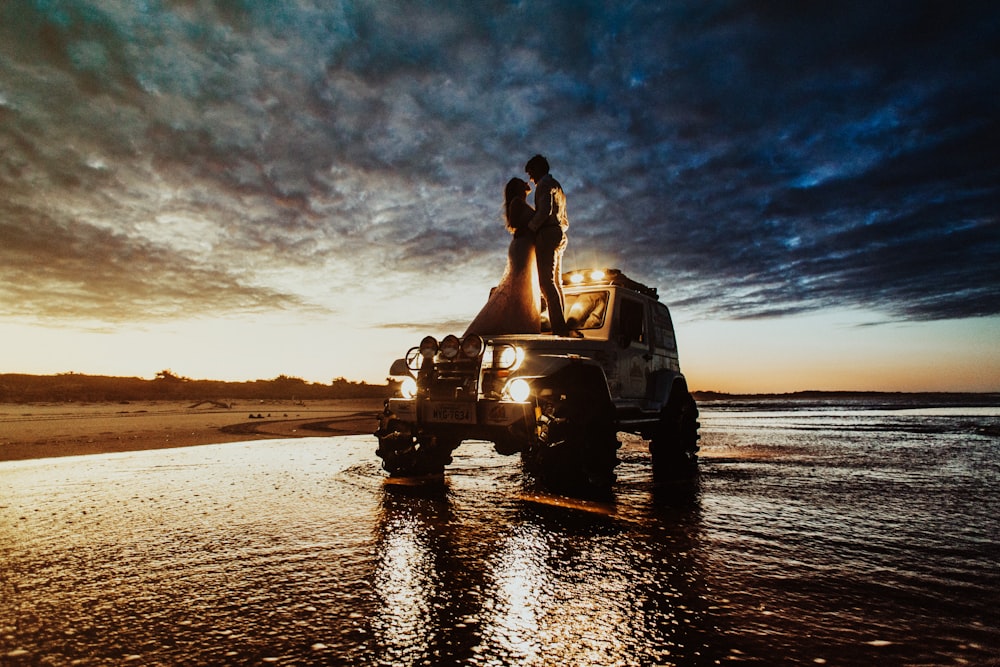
(586,277)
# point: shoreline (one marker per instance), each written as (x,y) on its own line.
(45,430)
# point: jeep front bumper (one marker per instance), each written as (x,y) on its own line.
(485,414)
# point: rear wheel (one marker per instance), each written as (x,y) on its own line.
(674,445)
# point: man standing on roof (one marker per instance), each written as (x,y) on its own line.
(549,224)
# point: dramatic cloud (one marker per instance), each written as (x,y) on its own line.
(751,159)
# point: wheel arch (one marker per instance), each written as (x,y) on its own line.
(577,441)
(575,373)
(667,384)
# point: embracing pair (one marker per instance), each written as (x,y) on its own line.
(534,258)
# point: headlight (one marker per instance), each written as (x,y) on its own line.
(450,346)
(472,346)
(428,347)
(518,389)
(509,357)
(408,388)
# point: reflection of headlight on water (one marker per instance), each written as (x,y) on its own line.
(518,389)
(408,388)
(404,584)
(522,589)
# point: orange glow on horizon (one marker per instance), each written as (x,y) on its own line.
(819,352)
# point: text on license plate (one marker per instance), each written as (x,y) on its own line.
(452,413)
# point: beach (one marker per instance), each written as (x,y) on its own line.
(851,533)
(42,430)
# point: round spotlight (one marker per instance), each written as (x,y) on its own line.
(450,346)
(428,347)
(510,357)
(408,388)
(472,346)
(519,390)
(597,275)
(576,278)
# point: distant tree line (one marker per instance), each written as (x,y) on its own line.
(17,388)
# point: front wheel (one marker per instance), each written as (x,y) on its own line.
(404,454)
(577,441)
(674,446)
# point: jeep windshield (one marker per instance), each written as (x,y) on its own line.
(586,310)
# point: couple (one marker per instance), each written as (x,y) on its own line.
(534,259)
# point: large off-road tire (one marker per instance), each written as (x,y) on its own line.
(674,445)
(405,455)
(515,439)
(577,441)
(508,445)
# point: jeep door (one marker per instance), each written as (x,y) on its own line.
(634,341)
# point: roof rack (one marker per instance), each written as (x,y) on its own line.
(607,277)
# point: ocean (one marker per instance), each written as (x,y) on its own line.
(820,531)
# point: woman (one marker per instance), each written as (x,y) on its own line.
(513,304)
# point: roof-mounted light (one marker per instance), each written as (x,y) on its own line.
(588,277)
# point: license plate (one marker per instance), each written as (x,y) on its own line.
(452,413)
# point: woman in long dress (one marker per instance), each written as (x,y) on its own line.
(513,306)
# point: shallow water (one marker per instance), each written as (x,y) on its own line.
(836,534)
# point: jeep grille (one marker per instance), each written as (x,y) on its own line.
(454,379)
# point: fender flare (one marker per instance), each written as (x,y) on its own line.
(574,372)
(666,383)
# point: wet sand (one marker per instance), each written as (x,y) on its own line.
(42,430)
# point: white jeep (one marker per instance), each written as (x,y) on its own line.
(559,401)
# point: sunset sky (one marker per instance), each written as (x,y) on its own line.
(237,189)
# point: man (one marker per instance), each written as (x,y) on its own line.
(549,224)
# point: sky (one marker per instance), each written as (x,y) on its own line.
(240,189)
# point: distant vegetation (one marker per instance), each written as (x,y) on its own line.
(65,387)
(16,388)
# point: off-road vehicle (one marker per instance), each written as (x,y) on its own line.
(559,401)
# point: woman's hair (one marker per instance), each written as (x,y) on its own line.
(514,190)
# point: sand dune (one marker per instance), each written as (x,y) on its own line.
(40,430)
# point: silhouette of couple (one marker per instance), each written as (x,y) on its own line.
(534,259)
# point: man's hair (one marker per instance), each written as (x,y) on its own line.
(537,165)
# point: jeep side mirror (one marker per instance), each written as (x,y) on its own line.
(399,368)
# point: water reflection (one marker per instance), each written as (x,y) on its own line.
(520,592)
(425,607)
(535,578)
(404,587)
(853,546)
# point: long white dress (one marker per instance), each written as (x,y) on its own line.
(513,305)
